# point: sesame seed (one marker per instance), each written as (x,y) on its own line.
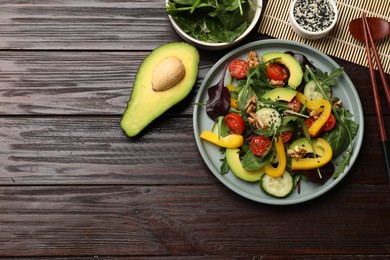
(314,15)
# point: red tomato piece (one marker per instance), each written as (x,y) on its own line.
(235,123)
(330,123)
(294,104)
(238,68)
(309,121)
(259,145)
(276,71)
(286,136)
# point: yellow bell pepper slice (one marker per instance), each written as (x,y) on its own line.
(233,101)
(303,99)
(229,141)
(321,106)
(326,108)
(314,163)
(281,154)
(231,87)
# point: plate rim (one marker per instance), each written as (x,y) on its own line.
(358,115)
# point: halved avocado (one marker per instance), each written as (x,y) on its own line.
(285,94)
(292,64)
(304,143)
(235,165)
(145,103)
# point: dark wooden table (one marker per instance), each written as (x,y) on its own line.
(73,185)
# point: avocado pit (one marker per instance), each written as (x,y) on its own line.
(167,73)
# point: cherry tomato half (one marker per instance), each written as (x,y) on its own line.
(238,68)
(235,123)
(294,104)
(286,136)
(309,121)
(330,123)
(259,145)
(276,71)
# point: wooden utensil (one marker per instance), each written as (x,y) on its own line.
(379,27)
(368,39)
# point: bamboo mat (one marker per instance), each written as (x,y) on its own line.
(339,43)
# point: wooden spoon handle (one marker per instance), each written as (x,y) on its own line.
(378,108)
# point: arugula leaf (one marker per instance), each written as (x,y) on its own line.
(244,93)
(338,139)
(346,130)
(266,132)
(351,128)
(334,74)
(224,168)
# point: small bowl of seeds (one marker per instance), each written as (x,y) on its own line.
(313,19)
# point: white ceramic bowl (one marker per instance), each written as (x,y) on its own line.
(311,34)
(222,45)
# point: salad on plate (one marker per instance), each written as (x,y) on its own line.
(277,122)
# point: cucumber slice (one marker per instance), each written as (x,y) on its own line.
(269,116)
(278,187)
(311,92)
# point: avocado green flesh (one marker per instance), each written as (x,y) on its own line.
(145,104)
(235,165)
(285,94)
(304,143)
(293,66)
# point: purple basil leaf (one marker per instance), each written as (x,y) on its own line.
(219,99)
(218,103)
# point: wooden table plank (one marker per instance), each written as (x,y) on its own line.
(84,25)
(72,185)
(94,150)
(93,83)
(81,150)
(100,83)
(155,220)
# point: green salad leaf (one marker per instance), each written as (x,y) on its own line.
(252,162)
(341,137)
(212,21)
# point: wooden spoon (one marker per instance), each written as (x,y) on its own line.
(379,28)
(376,30)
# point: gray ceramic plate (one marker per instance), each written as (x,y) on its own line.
(211,154)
